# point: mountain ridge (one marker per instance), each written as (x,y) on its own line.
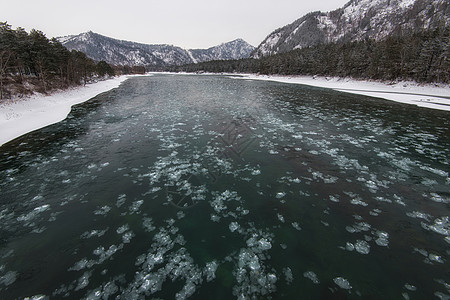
(122,52)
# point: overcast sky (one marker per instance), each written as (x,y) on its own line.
(185,23)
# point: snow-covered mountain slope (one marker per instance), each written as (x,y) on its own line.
(236,49)
(118,52)
(357,20)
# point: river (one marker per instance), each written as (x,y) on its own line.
(212,187)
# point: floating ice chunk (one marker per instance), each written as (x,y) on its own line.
(218,204)
(312,276)
(296,180)
(436,258)
(442,296)
(440,199)
(187,291)
(351,229)
(334,198)
(215,218)
(429,182)
(435,171)
(34,213)
(382,239)
(349,246)
(421,251)
(180,215)
(243,211)
(288,275)
(383,199)
(126,238)
(375,212)
(42,208)
(358,227)
(358,201)
(256,172)
(280,195)
(121,200)
(296,226)
(441,226)
(122,229)
(399,200)
(210,270)
(264,244)
(155,189)
(80,265)
(410,287)
(148,224)
(37,297)
(103,210)
(234,226)
(8,278)
(83,281)
(362,247)
(418,215)
(92,233)
(134,207)
(280,218)
(342,283)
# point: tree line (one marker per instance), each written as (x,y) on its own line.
(421,56)
(31,62)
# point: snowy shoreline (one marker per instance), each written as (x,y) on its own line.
(37,111)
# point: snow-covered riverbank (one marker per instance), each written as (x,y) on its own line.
(26,115)
(429,96)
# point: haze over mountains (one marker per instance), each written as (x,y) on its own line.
(118,52)
(357,20)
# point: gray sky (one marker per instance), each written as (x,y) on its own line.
(188,23)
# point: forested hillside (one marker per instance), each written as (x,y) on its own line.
(422,56)
(357,20)
(31,62)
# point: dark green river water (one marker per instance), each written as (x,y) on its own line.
(211,187)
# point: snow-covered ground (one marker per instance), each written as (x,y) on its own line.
(430,96)
(26,115)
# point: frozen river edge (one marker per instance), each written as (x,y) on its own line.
(408,92)
(22,116)
(38,111)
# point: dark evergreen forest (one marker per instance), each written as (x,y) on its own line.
(31,62)
(422,57)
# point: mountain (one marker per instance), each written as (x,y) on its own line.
(236,49)
(357,20)
(118,52)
